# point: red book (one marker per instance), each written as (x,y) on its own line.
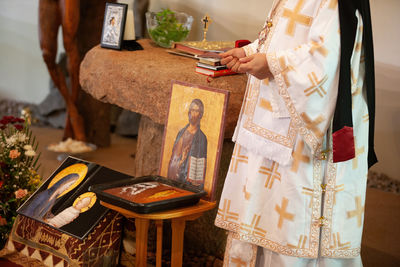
(214,73)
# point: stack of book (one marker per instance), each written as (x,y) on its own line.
(209,62)
(211,66)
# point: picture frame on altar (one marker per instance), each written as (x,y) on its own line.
(193,136)
(113,25)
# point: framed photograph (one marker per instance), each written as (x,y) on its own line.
(113,25)
(193,136)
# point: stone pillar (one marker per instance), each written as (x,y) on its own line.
(148,149)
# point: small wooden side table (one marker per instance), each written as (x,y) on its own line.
(178,221)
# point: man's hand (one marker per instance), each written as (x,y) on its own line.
(255,65)
(231,58)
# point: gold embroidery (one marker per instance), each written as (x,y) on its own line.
(239,262)
(247,195)
(317,86)
(266,81)
(359,151)
(333,4)
(358,47)
(286,141)
(358,212)
(236,158)
(338,188)
(253,228)
(353,77)
(308,192)
(366,118)
(356,92)
(271,173)
(299,157)
(284,70)
(225,212)
(282,212)
(336,244)
(315,46)
(301,244)
(313,124)
(265,104)
(294,17)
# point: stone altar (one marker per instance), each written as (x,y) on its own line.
(140,81)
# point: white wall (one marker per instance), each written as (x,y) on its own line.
(23,75)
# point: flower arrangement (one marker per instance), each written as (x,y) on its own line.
(18,170)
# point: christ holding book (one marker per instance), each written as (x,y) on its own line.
(189,154)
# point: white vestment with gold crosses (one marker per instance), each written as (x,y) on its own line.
(282,191)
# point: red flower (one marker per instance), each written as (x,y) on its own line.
(6,120)
(1,183)
(19,127)
(19,120)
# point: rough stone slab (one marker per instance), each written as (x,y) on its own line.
(140,81)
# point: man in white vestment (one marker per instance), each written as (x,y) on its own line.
(295,190)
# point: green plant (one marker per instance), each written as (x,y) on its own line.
(18,170)
(168,29)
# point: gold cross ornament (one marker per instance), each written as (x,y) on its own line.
(206,23)
(295,17)
(283,214)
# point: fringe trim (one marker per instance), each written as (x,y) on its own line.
(263,147)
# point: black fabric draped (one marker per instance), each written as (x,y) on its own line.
(348,28)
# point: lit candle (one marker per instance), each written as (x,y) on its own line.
(129,33)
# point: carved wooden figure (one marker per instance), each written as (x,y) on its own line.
(52,15)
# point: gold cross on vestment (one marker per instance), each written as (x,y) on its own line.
(253,228)
(318,46)
(265,104)
(301,244)
(336,244)
(359,151)
(366,118)
(282,212)
(247,195)
(225,212)
(239,262)
(271,172)
(333,4)
(358,212)
(313,124)
(285,69)
(237,158)
(308,192)
(294,17)
(338,188)
(299,157)
(316,85)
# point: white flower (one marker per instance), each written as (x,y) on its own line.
(21,137)
(11,141)
(30,153)
(28,147)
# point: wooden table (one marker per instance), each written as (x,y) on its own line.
(178,221)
